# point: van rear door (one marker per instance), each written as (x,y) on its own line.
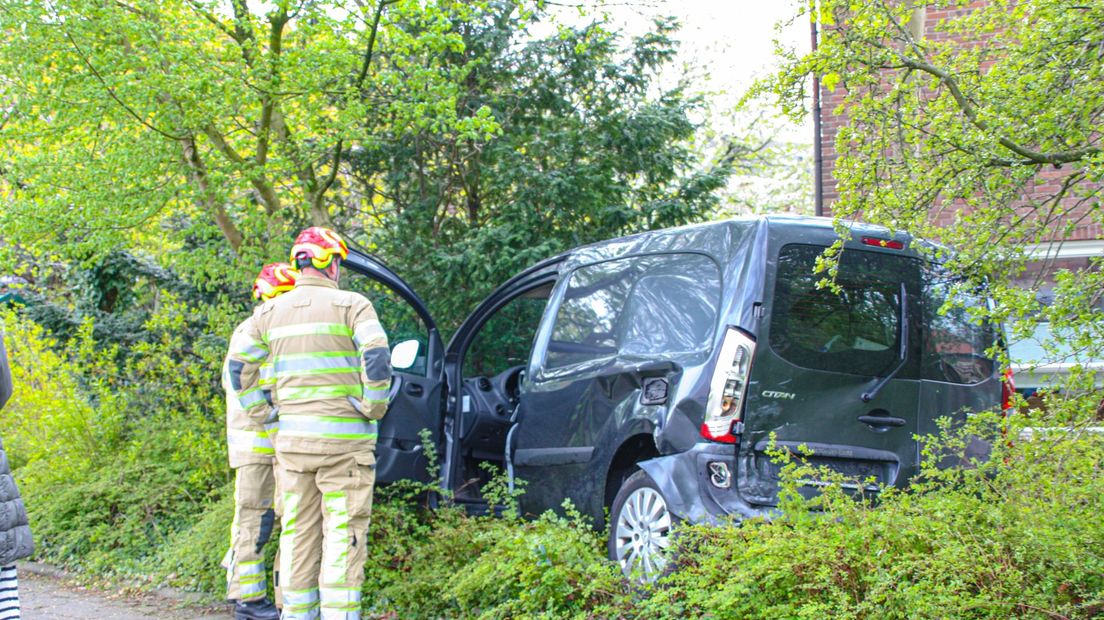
(957,373)
(835,370)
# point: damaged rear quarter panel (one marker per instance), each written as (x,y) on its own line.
(597,403)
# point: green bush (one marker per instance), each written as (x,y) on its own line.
(1021,535)
(112,458)
(191,556)
(446,564)
(123,469)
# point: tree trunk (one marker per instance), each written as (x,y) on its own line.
(198,172)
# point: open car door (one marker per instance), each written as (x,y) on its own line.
(413,418)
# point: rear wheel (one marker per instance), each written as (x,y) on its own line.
(640,529)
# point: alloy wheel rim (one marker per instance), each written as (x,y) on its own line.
(643,535)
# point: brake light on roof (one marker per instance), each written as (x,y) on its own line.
(727,389)
(891,244)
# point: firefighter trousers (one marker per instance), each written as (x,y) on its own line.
(254,518)
(327,502)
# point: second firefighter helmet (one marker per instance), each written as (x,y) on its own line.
(316,247)
(274,278)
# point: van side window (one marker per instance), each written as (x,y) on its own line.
(648,305)
(585,321)
(673,307)
(855,331)
(957,341)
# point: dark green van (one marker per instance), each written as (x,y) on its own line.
(645,375)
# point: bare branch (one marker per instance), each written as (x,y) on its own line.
(330,178)
(198,172)
(214,20)
(268,102)
(243,32)
(111,91)
(1056,158)
(264,189)
(371,43)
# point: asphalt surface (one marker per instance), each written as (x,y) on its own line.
(49,597)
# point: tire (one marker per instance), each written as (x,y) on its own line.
(640,532)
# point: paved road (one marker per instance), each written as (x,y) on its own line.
(50,598)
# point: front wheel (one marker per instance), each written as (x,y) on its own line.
(640,529)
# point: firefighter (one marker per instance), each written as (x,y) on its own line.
(251,453)
(333,373)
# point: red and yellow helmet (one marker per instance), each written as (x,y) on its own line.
(275,278)
(320,245)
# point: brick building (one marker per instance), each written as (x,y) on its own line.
(1075,249)
(925,20)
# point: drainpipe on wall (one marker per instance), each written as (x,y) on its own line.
(818,160)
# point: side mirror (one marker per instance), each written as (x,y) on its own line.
(404,354)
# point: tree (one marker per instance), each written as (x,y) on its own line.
(590,146)
(130,121)
(986,136)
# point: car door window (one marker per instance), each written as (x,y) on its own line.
(505,340)
(398,317)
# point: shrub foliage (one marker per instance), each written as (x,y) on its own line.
(125,477)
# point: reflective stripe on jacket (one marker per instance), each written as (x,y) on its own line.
(247,442)
(330,363)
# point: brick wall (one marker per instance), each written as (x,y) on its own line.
(1078,217)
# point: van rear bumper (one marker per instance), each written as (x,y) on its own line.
(685,481)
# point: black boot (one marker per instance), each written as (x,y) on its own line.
(259,609)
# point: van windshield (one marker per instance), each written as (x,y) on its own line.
(855,331)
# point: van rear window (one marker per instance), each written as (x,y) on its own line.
(856,330)
(957,340)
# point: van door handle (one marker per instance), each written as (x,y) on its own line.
(882,421)
(414,389)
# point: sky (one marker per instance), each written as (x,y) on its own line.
(733,40)
(725,47)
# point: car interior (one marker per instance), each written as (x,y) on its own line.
(493,369)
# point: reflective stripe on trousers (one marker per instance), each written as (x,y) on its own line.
(288,553)
(330,427)
(251,576)
(335,556)
(340,604)
(300,604)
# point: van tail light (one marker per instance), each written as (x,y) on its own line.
(1008,399)
(1008,391)
(728,388)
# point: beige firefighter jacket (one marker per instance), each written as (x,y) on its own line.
(247,442)
(331,364)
